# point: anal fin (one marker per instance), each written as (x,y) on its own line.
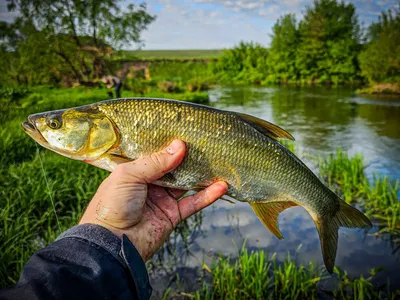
(268,213)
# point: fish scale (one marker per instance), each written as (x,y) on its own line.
(205,132)
(237,148)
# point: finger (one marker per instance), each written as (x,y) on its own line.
(192,204)
(150,168)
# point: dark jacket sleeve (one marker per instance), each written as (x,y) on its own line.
(85,262)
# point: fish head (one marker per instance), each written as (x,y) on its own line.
(83,133)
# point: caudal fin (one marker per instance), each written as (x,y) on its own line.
(328,228)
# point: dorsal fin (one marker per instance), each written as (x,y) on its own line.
(271,130)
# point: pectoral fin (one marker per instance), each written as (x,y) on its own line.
(227,199)
(268,213)
(118,159)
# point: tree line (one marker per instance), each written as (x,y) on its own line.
(74,41)
(326,46)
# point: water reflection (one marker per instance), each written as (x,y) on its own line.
(321,120)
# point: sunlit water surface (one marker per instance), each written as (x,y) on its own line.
(321,120)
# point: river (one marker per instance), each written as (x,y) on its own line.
(321,120)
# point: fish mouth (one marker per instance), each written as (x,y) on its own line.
(28,126)
(31,129)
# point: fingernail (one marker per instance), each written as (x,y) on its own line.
(223,185)
(173,147)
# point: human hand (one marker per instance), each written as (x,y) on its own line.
(127,203)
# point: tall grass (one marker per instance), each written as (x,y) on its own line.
(377,197)
(344,174)
(28,221)
(256,275)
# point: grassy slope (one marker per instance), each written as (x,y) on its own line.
(169,54)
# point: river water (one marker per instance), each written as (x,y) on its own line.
(321,120)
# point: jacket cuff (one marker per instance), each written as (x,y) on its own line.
(98,235)
(122,249)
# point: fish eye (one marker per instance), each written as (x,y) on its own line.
(54,123)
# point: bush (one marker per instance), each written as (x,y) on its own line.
(198,85)
(169,87)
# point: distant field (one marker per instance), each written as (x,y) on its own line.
(176,54)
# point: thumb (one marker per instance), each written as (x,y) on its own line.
(150,168)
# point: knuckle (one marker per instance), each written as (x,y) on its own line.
(157,160)
(122,169)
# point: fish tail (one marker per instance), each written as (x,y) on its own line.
(328,227)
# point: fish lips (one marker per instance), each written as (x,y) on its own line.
(31,129)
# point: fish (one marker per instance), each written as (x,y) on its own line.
(240,149)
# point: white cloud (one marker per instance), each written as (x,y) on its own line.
(180,25)
(216,24)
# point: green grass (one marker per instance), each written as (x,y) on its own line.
(378,198)
(27,218)
(256,275)
(182,72)
(168,54)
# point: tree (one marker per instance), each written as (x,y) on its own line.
(329,42)
(246,62)
(282,53)
(380,61)
(82,33)
(24,55)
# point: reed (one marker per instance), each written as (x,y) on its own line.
(377,197)
(256,275)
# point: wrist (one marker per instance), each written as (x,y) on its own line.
(137,242)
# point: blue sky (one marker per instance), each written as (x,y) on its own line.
(216,24)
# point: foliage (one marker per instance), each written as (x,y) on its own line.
(25,56)
(13,94)
(329,42)
(244,63)
(169,87)
(181,72)
(283,50)
(198,85)
(71,39)
(321,48)
(380,61)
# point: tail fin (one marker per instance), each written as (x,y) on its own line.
(328,228)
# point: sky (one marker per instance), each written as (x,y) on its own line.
(217,24)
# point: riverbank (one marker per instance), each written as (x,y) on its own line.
(381,88)
(213,72)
